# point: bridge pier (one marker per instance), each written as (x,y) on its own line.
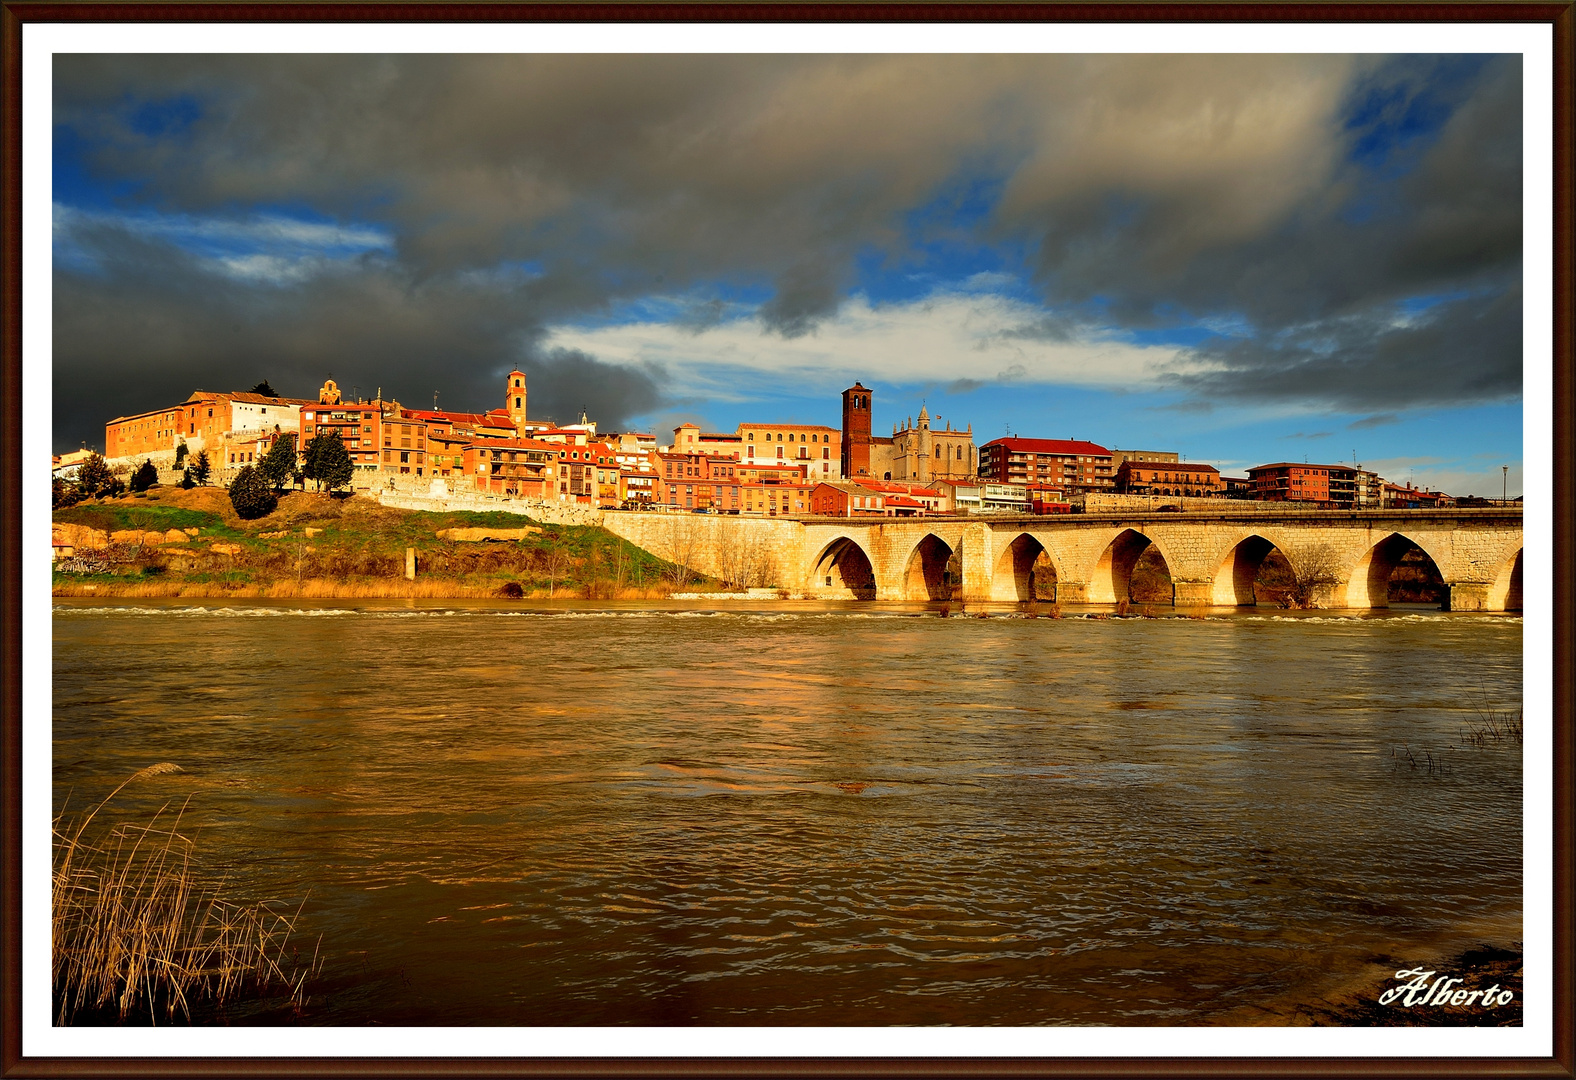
(1470,596)
(975,544)
(1072,592)
(1192,593)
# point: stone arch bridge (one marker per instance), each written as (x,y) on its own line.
(1342,559)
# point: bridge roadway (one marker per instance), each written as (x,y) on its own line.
(1342,558)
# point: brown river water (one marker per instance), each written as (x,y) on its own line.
(858,814)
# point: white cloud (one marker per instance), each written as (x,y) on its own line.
(260,231)
(941,338)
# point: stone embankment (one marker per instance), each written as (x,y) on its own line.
(435,496)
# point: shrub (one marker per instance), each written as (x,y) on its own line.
(145,477)
(250,494)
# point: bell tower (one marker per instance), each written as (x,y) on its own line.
(514,398)
(856,431)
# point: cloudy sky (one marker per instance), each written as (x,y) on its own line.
(1242,258)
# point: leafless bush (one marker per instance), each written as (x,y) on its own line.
(1318,570)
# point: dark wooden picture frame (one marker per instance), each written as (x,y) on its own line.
(17,15)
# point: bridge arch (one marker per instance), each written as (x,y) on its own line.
(1017,567)
(1368,585)
(925,572)
(1110,582)
(844,570)
(1505,592)
(1239,569)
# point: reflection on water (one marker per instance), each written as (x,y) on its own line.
(830,814)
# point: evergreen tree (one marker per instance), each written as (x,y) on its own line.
(264,389)
(94,478)
(328,462)
(201,469)
(180,453)
(145,477)
(250,494)
(186,479)
(279,464)
(64,494)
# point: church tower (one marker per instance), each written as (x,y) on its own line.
(856,431)
(514,398)
(922,448)
(329,394)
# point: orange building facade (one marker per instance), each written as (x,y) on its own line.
(1169,478)
(527,468)
(696,482)
(815,447)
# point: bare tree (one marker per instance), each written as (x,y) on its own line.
(680,543)
(620,566)
(732,567)
(556,560)
(755,560)
(1318,572)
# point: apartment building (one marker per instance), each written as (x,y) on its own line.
(526,468)
(1169,478)
(814,446)
(696,481)
(1070,464)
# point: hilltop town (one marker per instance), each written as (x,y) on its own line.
(767,469)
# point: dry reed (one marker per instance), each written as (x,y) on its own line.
(135,933)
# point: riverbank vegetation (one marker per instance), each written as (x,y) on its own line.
(139,935)
(317,545)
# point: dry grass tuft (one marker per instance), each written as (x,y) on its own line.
(135,934)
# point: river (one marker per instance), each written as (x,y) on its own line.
(829,814)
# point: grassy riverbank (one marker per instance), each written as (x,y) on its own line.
(318,546)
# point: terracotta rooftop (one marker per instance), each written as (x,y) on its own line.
(1052,446)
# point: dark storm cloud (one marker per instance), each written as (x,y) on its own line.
(1468,350)
(158,323)
(1431,207)
(1305,199)
(567,382)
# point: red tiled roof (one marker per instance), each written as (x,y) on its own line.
(249,398)
(1170,466)
(1296,465)
(898,486)
(444,415)
(1051,446)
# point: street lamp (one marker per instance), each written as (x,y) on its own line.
(1504,484)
